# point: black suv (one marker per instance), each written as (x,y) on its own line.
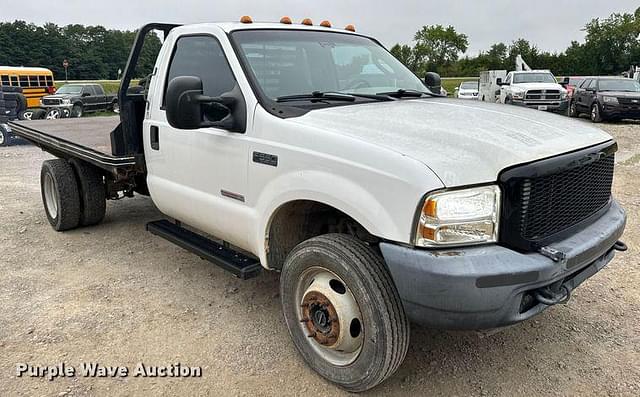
(607,98)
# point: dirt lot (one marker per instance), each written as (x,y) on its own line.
(117,295)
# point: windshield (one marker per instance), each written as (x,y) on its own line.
(533,78)
(469,85)
(575,81)
(69,89)
(295,62)
(620,85)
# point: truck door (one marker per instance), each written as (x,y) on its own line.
(504,89)
(197,176)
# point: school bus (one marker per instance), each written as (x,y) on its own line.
(35,82)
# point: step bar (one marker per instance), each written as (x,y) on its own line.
(238,264)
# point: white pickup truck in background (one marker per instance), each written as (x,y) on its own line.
(313,152)
(537,89)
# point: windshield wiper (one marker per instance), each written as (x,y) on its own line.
(317,96)
(402,93)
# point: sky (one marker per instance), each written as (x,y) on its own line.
(549,24)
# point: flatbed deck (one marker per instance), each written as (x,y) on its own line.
(88,139)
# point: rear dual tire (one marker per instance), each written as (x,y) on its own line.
(72,193)
(348,280)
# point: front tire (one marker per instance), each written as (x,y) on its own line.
(60,194)
(573,109)
(343,311)
(596,117)
(5,137)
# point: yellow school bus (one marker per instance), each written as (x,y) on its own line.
(35,82)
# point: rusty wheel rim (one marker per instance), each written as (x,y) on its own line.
(329,316)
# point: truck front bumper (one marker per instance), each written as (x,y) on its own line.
(493,286)
(556,106)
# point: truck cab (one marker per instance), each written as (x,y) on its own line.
(536,89)
(313,152)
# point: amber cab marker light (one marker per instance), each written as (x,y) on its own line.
(246,19)
(325,24)
(350,28)
(430,208)
(307,21)
(286,20)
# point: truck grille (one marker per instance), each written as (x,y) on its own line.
(50,102)
(543,95)
(539,205)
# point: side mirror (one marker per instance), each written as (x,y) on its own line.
(433,82)
(189,109)
(499,81)
(564,82)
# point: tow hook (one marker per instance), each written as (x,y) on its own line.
(620,246)
(553,254)
(550,297)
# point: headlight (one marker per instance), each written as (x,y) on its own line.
(66,101)
(610,99)
(459,217)
(564,94)
(518,94)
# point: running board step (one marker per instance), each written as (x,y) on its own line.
(238,264)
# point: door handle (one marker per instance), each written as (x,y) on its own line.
(155,138)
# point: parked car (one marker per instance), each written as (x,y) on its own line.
(378,200)
(571,83)
(607,98)
(467,90)
(537,89)
(74,100)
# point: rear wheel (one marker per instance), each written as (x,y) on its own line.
(60,194)
(115,107)
(5,138)
(343,311)
(38,114)
(93,199)
(26,115)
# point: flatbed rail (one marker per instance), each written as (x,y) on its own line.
(119,166)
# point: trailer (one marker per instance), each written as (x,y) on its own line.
(490,84)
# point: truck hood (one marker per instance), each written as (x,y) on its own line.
(59,96)
(538,86)
(462,143)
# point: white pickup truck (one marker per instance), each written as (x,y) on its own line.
(537,89)
(313,152)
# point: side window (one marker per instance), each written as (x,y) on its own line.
(585,84)
(593,84)
(98,89)
(202,56)
(88,89)
(4,79)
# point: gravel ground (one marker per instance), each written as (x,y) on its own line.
(116,295)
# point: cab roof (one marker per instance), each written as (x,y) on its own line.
(229,27)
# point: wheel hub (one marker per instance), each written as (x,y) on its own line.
(330,316)
(321,319)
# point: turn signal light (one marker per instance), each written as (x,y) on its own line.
(246,19)
(286,20)
(325,24)
(307,21)
(350,28)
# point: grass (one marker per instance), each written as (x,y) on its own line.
(110,86)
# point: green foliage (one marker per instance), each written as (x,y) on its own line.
(611,46)
(93,52)
(437,48)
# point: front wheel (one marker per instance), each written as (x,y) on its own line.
(573,109)
(596,117)
(77,111)
(343,311)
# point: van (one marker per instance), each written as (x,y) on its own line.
(35,82)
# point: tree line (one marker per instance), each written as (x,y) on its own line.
(611,46)
(93,52)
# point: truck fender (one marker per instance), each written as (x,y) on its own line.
(332,190)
